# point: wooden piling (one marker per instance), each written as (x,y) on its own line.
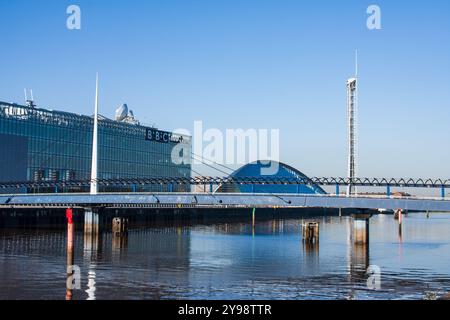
(120,227)
(254,218)
(310,232)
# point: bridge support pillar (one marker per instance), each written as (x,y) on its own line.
(92,235)
(91,221)
(361,229)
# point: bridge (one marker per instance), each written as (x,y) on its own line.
(214,199)
(221,200)
(96,218)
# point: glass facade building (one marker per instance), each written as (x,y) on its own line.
(284,171)
(44,145)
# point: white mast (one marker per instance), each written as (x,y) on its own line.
(352,105)
(94,187)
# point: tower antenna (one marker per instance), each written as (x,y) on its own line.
(352,105)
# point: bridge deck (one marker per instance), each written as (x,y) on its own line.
(220,200)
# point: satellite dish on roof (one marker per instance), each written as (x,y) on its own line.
(121,112)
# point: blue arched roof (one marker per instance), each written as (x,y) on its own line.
(263,169)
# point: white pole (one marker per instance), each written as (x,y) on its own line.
(355,170)
(94,187)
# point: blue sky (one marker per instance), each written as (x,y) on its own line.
(249,64)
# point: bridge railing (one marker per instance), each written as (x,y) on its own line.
(180,184)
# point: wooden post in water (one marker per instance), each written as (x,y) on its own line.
(310,232)
(70,254)
(254,218)
(400,223)
(120,227)
(119,233)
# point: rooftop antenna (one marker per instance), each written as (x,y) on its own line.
(94,186)
(30,102)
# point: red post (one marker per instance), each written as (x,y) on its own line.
(70,256)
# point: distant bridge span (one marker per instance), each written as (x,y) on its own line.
(221,200)
(202,180)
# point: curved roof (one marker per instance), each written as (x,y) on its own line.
(271,170)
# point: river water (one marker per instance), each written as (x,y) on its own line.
(231,261)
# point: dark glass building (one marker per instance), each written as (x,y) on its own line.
(44,145)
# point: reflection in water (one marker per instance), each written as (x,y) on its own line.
(92,253)
(400,233)
(91,283)
(70,257)
(311,256)
(224,261)
(119,244)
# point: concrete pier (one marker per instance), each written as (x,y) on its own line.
(92,233)
(361,229)
(91,221)
(358,246)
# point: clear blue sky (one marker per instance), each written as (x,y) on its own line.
(249,64)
